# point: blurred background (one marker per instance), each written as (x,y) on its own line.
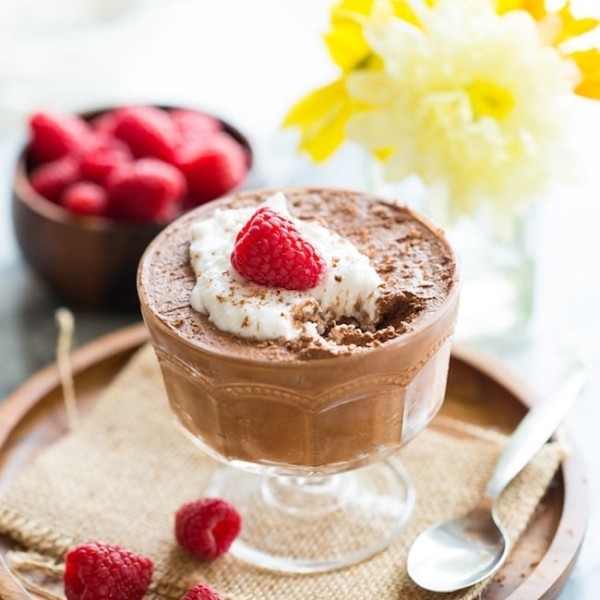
(244,61)
(249,62)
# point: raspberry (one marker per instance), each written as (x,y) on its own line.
(98,571)
(200,592)
(103,157)
(193,126)
(54,136)
(270,250)
(148,131)
(85,198)
(207,527)
(214,167)
(145,190)
(105,123)
(51,179)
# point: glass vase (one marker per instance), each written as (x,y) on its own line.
(498,270)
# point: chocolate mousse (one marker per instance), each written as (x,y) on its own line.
(349,393)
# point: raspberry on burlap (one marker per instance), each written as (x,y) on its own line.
(206,528)
(201,592)
(98,571)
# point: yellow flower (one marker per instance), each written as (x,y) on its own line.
(471,100)
(322,115)
(481,99)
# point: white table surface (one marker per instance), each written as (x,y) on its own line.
(249,61)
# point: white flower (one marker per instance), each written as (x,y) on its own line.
(471,101)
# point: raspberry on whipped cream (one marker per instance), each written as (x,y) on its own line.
(349,289)
(269,250)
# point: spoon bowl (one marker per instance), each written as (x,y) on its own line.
(459,552)
(462,551)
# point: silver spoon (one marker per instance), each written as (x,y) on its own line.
(460,552)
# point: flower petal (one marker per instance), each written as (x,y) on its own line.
(375,130)
(504,6)
(347,46)
(364,7)
(317,105)
(390,39)
(322,140)
(588,62)
(403,10)
(370,87)
(571,26)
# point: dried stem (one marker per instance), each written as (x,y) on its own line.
(65,321)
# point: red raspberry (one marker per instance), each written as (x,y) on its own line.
(214,167)
(207,527)
(194,126)
(200,592)
(145,190)
(148,131)
(85,198)
(51,179)
(269,250)
(54,136)
(103,158)
(105,123)
(98,571)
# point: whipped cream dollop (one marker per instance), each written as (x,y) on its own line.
(350,287)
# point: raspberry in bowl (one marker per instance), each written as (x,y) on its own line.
(91,191)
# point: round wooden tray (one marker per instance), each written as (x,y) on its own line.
(480,391)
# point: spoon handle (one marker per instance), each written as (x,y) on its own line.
(534,430)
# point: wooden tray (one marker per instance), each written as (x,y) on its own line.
(479,391)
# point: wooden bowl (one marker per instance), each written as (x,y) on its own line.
(87,262)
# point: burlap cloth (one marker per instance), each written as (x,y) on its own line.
(123,473)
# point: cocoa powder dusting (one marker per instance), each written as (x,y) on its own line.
(415,263)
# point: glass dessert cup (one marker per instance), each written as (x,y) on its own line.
(309,445)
